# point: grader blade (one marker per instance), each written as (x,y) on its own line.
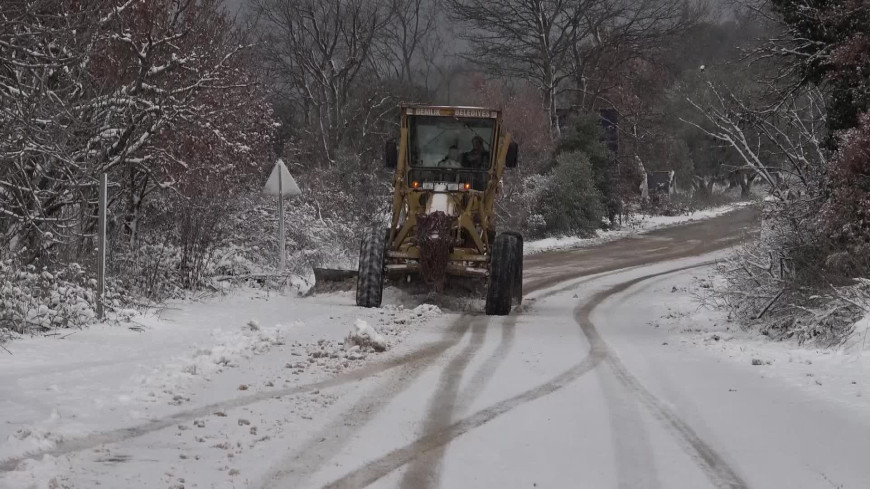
(333,280)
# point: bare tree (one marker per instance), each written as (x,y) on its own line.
(93,89)
(783,147)
(786,280)
(317,52)
(407,35)
(526,39)
(614,36)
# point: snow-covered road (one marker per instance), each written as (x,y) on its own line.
(608,376)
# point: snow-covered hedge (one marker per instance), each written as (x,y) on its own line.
(188,244)
(33,299)
(760,291)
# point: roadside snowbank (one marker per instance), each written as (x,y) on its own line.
(641,225)
(837,374)
(224,349)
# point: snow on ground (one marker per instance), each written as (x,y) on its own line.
(640,224)
(244,421)
(770,422)
(184,357)
(839,375)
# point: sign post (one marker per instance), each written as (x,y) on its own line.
(101,264)
(281,184)
(282,236)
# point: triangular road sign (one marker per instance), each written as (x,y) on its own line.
(288,187)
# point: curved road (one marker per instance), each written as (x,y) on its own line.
(573,389)
(420,461)
(543,398)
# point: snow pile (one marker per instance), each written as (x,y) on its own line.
(42,473)
(569,242)
(364,337)
(228,348)
(30,439)
(323,356)
(361,342)
(44,435)
(426,311)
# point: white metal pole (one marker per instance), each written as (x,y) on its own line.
(101,265)
(281,238)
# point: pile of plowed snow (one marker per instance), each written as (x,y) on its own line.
(226,350)
(362,341)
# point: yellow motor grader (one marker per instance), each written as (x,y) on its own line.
(448,168)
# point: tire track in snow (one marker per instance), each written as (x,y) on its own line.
(721,475)
(369,403)
(328,441)
(633,454)
(426,353)
(424,471)
(384,465)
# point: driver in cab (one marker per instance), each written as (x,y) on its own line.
(478,157)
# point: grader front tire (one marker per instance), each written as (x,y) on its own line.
(370,280)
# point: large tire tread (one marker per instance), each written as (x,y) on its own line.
(502,274)
(517,290)
(370,279)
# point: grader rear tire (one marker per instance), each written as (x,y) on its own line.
(504,263)
(370,280)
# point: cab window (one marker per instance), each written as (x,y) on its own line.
(453,150)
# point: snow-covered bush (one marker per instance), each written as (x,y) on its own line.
(312,238)
(37,300)
(213,124)
(150,270)
(177,248)
(517,206)
(785,283)
(188,242)
(759,293)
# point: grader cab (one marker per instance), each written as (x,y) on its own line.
(448,168)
